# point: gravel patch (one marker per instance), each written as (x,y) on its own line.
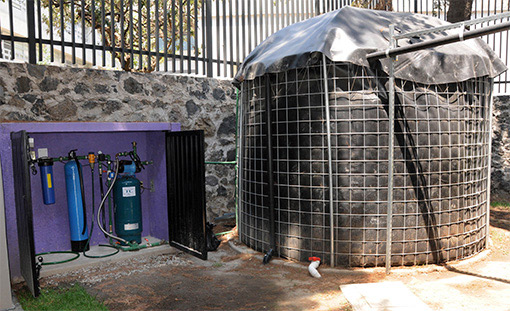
(112,271)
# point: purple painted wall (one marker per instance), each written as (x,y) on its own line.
(51,229)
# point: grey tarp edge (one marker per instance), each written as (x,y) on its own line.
(349,34)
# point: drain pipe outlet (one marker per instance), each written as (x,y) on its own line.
(312,268)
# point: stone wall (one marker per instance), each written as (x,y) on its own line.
(51,93)
(500,175)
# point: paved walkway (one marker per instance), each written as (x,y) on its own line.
(382,296)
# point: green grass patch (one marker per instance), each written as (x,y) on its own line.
(500,204)
(52,299)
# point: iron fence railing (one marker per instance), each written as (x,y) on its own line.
(126,34)
(198,37)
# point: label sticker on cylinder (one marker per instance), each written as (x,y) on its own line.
(48,178)
(131,226)
(128,191)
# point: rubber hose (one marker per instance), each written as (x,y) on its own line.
(92,227)
(61,261)
(103,201)
(104,256)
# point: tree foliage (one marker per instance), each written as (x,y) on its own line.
(143,13)
(383,5)
(459,10)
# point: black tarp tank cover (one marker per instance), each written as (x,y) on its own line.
(347,35)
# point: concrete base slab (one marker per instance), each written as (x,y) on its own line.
(83,262)
(382,296)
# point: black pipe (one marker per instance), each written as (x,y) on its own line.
(440,41)
(92,225)
(100,159)
(116,250)
(101,188)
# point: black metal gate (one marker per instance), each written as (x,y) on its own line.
(186,191)
(23,198)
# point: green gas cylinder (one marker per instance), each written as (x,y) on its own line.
(128,208)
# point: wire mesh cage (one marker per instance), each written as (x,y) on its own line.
(441,166)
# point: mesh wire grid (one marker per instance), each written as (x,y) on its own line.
(441,166)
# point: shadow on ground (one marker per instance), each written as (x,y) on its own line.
(192,288)
(500,217)
(232,281)
(227,282)
(478,275)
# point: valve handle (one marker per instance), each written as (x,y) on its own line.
(72,153)
(91,157)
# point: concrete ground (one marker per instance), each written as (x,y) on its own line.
(86,262)
(172,280)
(382,296)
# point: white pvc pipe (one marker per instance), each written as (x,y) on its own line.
(330,166)
(312,268)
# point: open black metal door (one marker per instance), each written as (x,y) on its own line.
(23,199)
(186,191)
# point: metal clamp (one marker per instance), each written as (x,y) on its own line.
(461,31)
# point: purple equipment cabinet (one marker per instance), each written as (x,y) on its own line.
(50,222)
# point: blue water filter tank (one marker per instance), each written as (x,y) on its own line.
(79,232)
(48,190)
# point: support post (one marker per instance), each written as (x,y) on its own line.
(330,164)
(239,160)
(208,39)
(32,58)
(489,163)
(270,173)
(391,137)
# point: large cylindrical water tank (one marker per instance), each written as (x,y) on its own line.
(323,173)
(441,167)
